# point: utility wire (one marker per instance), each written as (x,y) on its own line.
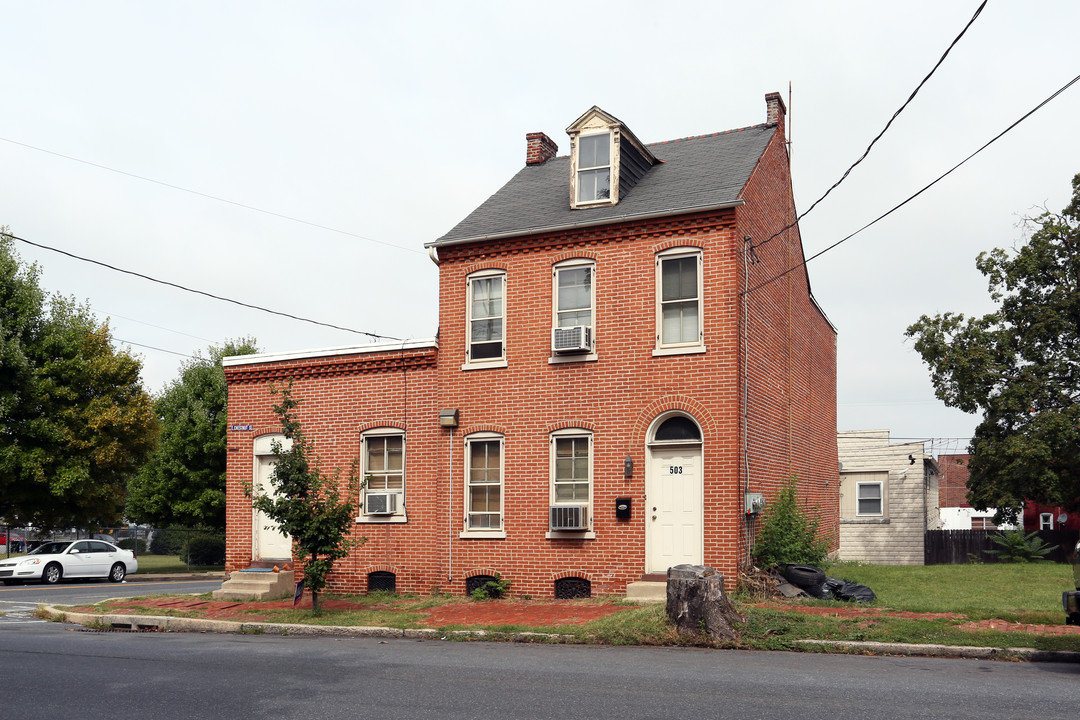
(200,292)
(159,327)
(151,347)
(208,196)
(941,177)
(883,130)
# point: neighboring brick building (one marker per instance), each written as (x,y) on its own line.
(956,512)
(888,498)
(624,353)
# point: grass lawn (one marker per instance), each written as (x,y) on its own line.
(1016,593)
(156,564)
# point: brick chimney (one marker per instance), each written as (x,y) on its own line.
(777,111)
(539,149)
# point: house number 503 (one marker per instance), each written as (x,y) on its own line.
(674,469)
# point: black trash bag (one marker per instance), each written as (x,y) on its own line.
(853,592)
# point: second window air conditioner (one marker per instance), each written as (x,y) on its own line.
(574,339)
(381,503)
(569,517)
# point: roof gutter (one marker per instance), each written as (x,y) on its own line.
(433,246)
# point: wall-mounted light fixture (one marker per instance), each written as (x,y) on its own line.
(628,467)
(448,418)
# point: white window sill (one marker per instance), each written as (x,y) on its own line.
(690,350)
(564,358)
(381,519)
(482,535)
(570,535)
(484,365)
(865,521)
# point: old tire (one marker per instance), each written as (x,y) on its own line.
(117,573)
(52,574)
(804,576)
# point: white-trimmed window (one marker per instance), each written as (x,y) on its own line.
(1046,521)
(483,483)
(384,474)
(486,307)
(869,500)
(571,467)
(573,330)
(679,304)
(594,168)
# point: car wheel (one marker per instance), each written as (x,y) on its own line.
(118,573)
(805,576)
(52,574)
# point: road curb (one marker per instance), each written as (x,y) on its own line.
(165,623)
(151,623)
(948,651)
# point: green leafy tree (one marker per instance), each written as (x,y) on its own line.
(306,503)
(788,534)
(183,483)
(75,421)
(1020,367)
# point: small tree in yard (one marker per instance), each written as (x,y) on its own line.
(787,534)
(306,504)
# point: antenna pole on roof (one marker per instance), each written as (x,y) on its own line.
(789,121)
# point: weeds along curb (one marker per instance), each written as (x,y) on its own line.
(947,651)
(165,623)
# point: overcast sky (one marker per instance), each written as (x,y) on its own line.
(381,125)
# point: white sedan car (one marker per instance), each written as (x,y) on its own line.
(70,559)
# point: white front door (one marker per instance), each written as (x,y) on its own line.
(268,542)
(674,525)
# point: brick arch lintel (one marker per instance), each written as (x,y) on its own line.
(580,574)
(384,567)
(483,427)
(383,423)
(484,265)
(576,254)
(571,425)
(481,571)
(686,242)
(673,403)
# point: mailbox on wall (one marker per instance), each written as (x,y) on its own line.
(622,508)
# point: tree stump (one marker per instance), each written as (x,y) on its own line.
(696,603)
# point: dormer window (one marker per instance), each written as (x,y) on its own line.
(594,168)
(606,160)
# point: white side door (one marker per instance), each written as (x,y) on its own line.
(268,542)
(674,519)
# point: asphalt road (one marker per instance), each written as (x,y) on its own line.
(53,670)
(15,599)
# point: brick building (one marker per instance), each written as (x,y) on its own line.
(628,347)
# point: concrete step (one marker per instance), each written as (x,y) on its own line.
(647,591)
(255,584)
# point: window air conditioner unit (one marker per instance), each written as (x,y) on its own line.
(575,339)
(569,517)
(381,503)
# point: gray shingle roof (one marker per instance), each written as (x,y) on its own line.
(695,173)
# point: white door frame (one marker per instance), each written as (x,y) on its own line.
(675,533)
(277,546)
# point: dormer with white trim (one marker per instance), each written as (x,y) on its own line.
(606,159)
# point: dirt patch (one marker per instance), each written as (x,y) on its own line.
(487,614)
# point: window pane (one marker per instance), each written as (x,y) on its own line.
(594,185)
(680,322)
(678,278)
(593,150)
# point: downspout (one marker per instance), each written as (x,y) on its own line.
(450,513)
(744,400)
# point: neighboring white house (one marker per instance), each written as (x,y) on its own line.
(956,513)
(888,498)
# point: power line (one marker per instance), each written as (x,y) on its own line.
(159,327)
(200,292)
(151,347)
(208,196)
(883,130)
(941,177)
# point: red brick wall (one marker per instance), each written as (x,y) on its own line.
(952,486)
(790,423)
